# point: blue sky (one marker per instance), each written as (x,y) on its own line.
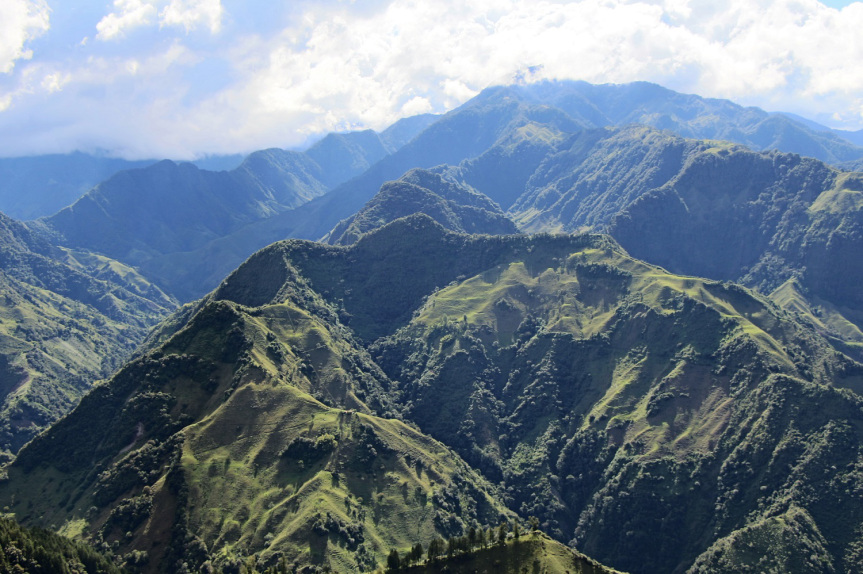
(186,78)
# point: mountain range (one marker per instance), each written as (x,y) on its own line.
(621,405)
(624,317)
(500,138)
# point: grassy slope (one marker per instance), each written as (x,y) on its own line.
(603,391)
(821,315)
(761,219)
(706,208)
(596,173)
(192,454)
(641,415)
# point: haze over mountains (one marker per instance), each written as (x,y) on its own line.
(681,394)
(38,186)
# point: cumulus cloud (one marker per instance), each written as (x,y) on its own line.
(336,69)
(131,14)
(192,13)
(20,22)
(279,74)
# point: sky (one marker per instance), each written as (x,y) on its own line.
(182,79)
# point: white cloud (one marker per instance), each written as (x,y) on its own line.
(188,14)
(191,13)
(129,14)
(20,22)
(416,106)
(277,74)
(54,82)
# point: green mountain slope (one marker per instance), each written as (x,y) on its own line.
(437,194)
(596,174)
(248,432)
(621,404)
(704,208)
(67,320)
(825,318)
(503,171)
(467,132)
(200,225)
(761,219)
(171,207)
(464,133)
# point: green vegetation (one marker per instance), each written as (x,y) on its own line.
(387,402)
(788,542)
(594,385)
(598,173)
(825,318)
(768,219)
(37,551)
(145,214)
(709,209)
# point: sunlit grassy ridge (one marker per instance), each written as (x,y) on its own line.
(845,196)
(829,320)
